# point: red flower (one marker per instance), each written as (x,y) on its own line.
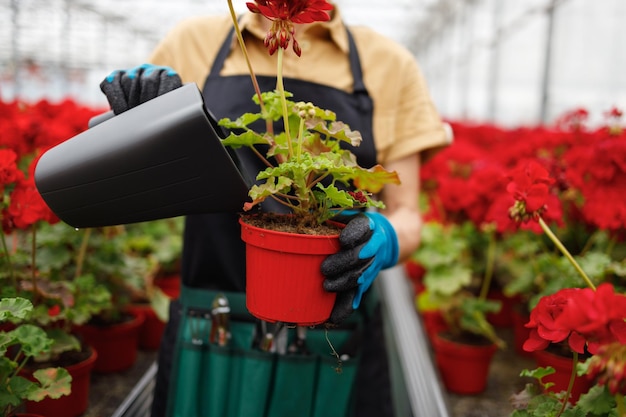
(530,186)
(54,311)
(608,367)
(359,197)
(543,321)
(586,318)
(9,173)
(27,207)
(283,14)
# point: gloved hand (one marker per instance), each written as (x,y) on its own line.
(368,244)
(126,89)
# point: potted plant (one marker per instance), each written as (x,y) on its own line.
(113,329)
(312,175)
(155,249)
(19,345)
(589,321)
(454,313)
(59,301)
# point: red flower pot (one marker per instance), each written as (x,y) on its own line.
(434,322)
(116,344)
(72,405)
(563,367)
(504,317)
(283,278)
(520,331)
(170,285)
(151,331)
(464,368)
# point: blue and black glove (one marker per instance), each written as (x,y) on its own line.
(126,89)
(368,244)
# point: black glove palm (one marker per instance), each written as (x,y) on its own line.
(126,89)
(368,245)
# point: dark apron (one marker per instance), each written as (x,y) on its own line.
(213,252)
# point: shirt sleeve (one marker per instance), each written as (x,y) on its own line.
(418,126)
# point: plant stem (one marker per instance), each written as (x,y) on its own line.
(570,386)
(566,253)
(490,260)
(621,405)
(7,256)
(242,45)
(283,99)
(300,139)
(33,265)
(80,259)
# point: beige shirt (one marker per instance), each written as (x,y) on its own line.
(405,120)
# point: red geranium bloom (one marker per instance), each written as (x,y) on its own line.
(543,325)
(54,311)
(586,318)
(283,14)
(601,321)
(9,173)
(530,184)
(27,207)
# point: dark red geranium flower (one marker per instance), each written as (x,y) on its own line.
(599,322)
(608,367)
(27,207)
(9,172)
(283,14)
(586,318)
(54,311)
(530,186)
(543,321)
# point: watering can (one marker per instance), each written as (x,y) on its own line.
(161,159)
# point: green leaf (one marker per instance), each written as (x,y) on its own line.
(20,388)
(598,401)
(538,373)
(33,339)
(241,122)
(160,303)
(247,138)
(339,198)
(17,307)
(447,279)
(374,179)
(55,382)
(62,341)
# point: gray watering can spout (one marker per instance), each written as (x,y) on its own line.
(163,158)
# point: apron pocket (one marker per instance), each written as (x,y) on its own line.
(333,391)
(294,386)
(250,383)
(187,380)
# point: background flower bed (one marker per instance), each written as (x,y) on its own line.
(465,195)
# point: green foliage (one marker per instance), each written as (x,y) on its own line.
(298,162)
(447,253)
(537,269)
(18,346)
(536,401)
